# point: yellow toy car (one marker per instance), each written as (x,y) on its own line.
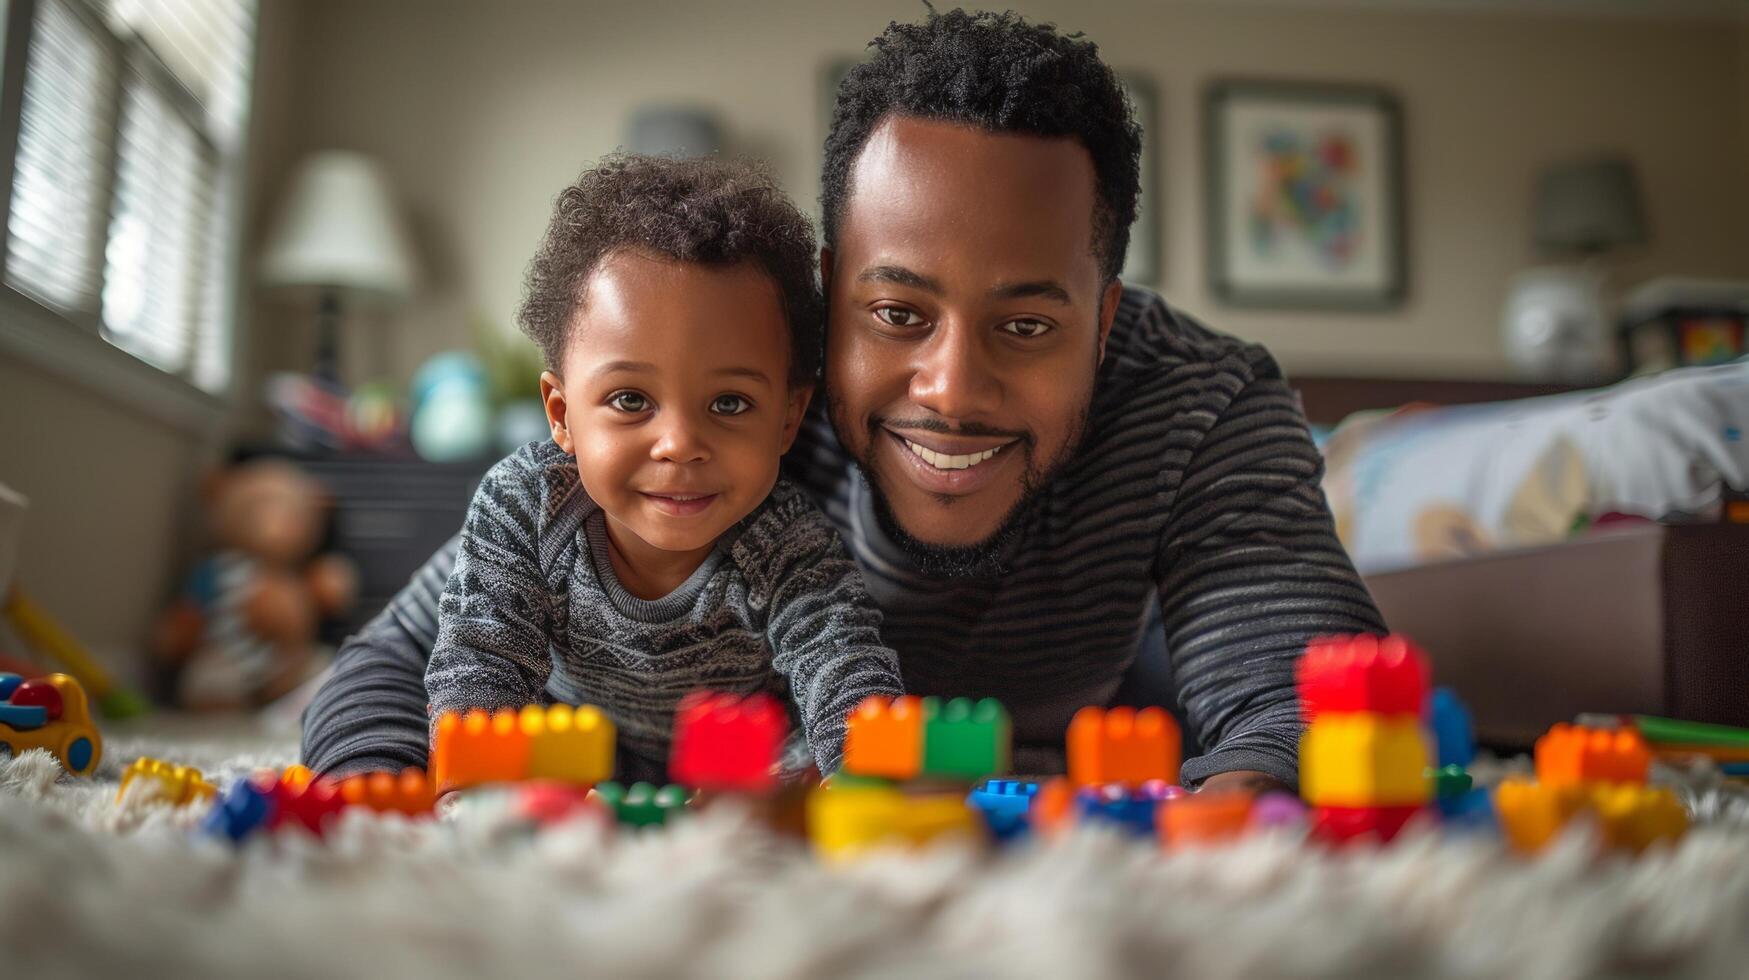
(49,713)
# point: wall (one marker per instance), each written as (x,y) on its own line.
(482,111)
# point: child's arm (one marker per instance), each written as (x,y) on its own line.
(495,616)
(823,628)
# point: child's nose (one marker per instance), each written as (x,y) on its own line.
(679,442)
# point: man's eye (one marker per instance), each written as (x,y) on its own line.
(630,402)
(1027,328)
(894,316)
(730,405)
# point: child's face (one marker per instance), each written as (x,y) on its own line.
(675,398)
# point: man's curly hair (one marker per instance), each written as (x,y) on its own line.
(998,72)
(708,211)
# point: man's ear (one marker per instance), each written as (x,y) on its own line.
(552,398)
(794,411)
(1108,304)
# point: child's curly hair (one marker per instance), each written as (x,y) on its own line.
(700,210)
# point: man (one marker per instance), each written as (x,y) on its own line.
(1034,467)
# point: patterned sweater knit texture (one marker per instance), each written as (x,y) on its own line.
(533,612)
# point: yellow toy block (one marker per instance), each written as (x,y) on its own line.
(1634,818)
(573,745)
(1533,814)
(846,821)
(172,784)
(1358,759)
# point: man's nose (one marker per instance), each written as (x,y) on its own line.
(679,439)
(953,376)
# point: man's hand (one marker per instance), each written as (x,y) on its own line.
(1244,781)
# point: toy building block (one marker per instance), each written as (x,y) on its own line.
(1005,804)
(1342,825)
(162,781)
(1211,817)
(1123,745)
(1053,806)
(1278,809)
(1382,675)
(728,742)
(297,776)
(1362,760)
(1634,818)
(885,738)
(408,793)
(1454,735)
(641,804)
(570,744)
(477,747)
(49,713)
(1569,755)
(847,821)
(1533,814)
(963,739)
(243,809)
(1116,805)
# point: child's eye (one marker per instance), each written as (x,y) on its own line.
(895,316)
(629,402)
(730,405)
(1027,328)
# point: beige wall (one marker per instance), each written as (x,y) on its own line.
(482,111)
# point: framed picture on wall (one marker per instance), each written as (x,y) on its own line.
(1305,196)
(1143,263)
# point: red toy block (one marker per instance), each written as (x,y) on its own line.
(312,806)
(1568,755)
(885,738)
(1352,824)
(1123,745)
(478,748)
(1380,675)
(728,742)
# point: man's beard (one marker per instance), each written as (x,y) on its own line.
(983,559)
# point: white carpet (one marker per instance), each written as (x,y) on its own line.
(91,889)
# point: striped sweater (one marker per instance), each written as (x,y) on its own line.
(534,612)
(1196,494)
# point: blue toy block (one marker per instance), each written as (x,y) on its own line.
(1005,804)
(1453,732)
(8,684)
(1117,806)
(1473,810)
(242,810)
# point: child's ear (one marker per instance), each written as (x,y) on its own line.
(552,398)
(794,411)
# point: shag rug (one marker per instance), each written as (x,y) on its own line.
(92,888)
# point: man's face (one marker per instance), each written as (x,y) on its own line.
(966,318)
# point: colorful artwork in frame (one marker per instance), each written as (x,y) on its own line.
(1305,196)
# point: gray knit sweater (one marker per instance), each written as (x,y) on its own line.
(533,612)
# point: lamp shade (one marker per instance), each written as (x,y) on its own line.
(1589,207)
(338,229)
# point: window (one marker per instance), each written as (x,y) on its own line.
(127,172)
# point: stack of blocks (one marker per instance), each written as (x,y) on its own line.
(1598,773)
(1364,758)
(554,742)
(1123,769)
(936,748)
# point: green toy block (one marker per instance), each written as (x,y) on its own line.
(963,739)
(1449,782)
(642,804)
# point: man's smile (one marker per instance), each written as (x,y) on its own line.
(942,464)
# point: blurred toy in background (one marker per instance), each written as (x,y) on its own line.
(243,632)
(317,415)
(452,409)
(38,629)
(49,713)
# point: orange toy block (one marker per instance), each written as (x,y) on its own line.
(572,745)
(1123,745)
(1533,814)
(1211,817)
(409,793)
(885,738)
(478,748)
(1569,755)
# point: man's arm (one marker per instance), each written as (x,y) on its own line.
(370,713)
(1249,570)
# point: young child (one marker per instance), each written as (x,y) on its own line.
(650,549)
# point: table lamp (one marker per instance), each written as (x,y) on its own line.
(338,235)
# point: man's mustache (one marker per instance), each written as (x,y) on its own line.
(938,425)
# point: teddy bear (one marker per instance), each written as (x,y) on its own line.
(243,631)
